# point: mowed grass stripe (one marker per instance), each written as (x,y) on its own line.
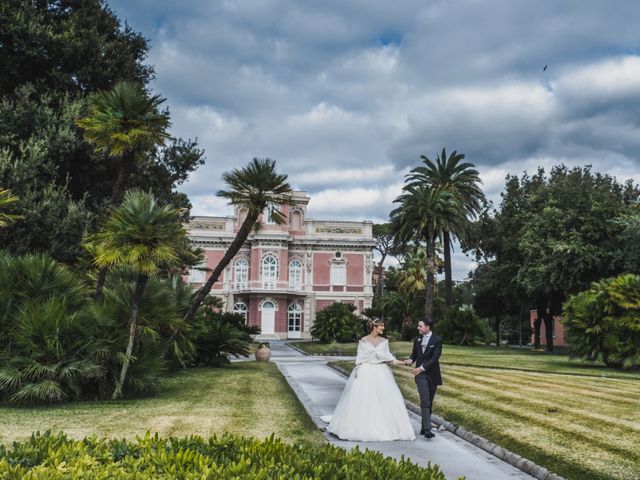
(577,370)
(509,408)
(558,452)
(561,390)
(531,410)
(627,418)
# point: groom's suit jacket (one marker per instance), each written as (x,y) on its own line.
(429,359)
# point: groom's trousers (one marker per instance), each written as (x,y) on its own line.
(427,392)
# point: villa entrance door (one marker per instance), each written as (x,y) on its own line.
(268,318)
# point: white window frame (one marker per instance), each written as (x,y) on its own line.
(294,316)
(241,274)
(197,276)
(295,274)
(266,216)
(241,308)
(269,272)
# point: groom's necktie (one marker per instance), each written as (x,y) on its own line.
(425,341)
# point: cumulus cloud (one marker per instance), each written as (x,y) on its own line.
(346,96)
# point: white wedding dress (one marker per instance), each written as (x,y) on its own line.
(371,407)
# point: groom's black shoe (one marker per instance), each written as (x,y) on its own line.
(422,430)
(428,435)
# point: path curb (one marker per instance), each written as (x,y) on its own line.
(503,454)
(297,349)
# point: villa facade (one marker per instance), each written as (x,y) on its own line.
(284,274)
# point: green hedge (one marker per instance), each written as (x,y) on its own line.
(49,456)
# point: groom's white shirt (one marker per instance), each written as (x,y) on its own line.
(424,343)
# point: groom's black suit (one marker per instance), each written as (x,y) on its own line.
(427,381)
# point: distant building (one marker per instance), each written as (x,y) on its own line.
(284,274)
(558,330)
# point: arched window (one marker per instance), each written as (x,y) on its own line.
(267,215)
(242,215)
(294,316)
(295,274)
(241,309)
(295,220)
(198,274)
(241,274)
(269,272)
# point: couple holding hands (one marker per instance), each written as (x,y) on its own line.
(371,407)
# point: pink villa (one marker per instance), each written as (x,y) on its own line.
(284,274)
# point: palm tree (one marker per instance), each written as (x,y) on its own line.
(143,235)
(258,188)
(6,198)
(413,274)
(422,216)
(122,123)
(463,181)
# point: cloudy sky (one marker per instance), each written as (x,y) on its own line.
(346,95)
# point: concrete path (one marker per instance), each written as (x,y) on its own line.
(318,387)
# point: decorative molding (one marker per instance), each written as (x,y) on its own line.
(368,262)
(309,262)
(339,230)
(268,299)
(208,226)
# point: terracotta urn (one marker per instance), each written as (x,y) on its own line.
(263,353)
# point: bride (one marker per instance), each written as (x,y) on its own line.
(371,407)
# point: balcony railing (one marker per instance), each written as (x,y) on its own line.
(268,285)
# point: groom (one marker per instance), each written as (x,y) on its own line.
(427,348)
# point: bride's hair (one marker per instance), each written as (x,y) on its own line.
(374,322)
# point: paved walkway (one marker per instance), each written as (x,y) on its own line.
(318,387)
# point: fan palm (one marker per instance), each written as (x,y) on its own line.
(6,199)
(258,188)
(122,123)
(143,235)
(460,178)
(423,215)
(49,358)
(34,277)
(413,275)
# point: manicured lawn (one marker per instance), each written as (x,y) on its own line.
(578,426)
(247,399)
(504,357)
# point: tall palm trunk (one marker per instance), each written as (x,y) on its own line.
(124,170)
(233,249)
(430,284)
(133,326)
(448,281)
(117,194)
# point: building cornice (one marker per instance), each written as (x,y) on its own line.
(289,242)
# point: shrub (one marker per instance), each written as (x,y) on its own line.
(159,319)
(34,277)
(604,321)
(218,335)
(338,323)
(461,327)
(44,349)
(55,457)
(49,358)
